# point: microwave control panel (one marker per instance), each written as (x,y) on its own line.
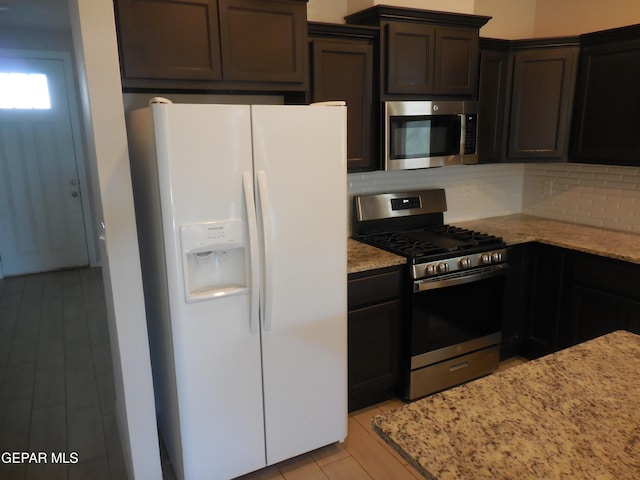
(470,134)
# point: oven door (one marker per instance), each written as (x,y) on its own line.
(455,328)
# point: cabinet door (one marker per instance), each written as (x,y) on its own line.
(343,70)
(263,41)
(633,318)
(542,96)
(515,295)
(456,61)
(593,313)
(169,39)
(608,105)
(491,104)
(410,58)
(374,353)
(542,330)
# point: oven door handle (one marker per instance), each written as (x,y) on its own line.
(452,280)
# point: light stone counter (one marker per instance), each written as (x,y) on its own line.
(516,229)
(362,257)
(574,415)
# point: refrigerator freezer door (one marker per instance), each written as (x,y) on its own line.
(300,159)
(203,151)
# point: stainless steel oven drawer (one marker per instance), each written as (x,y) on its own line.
(431,379)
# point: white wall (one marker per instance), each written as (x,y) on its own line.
(332,11)
(573,17)
(458,6)
(510,19)
(94,36)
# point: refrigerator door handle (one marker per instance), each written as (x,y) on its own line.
(247,183)
(267,294)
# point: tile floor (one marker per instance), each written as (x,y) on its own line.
(362,456)
(57,393)
(56,379)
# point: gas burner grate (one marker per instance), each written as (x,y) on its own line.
(433,241)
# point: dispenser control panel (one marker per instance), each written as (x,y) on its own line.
(212,236)
(214,260)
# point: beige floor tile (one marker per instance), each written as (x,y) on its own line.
(346,469)
(377,460)
(269,473)
(329,454)
(303,467)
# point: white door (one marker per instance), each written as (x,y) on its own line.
(42,225)
(201,162)
(300,163)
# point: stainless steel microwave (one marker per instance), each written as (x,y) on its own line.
(423,134)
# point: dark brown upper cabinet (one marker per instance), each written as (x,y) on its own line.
(492,96)
(169,39)
(210,45)
(410,58)
(525,99)
(425,53)
(263,41)
(342,59)
(542,89)
(607,108)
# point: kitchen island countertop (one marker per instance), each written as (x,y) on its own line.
(572,414)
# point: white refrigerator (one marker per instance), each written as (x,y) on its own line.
(242,223)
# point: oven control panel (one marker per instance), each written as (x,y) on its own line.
(455,264)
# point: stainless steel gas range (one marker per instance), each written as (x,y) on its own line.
(456,280)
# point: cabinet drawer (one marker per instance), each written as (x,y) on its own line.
(374,288)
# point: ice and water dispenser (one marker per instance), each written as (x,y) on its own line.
(214,259)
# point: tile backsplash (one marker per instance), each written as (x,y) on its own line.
(598,195)
(473,191)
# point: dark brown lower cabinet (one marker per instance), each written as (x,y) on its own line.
(515,294)
(375,329)
(594,313)
(544,303)
(604,296)
(633,318)
(573,297)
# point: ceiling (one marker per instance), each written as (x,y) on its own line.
(34,13)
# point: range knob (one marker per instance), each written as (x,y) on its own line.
(496,257)
(485,258)
(430,270)
(443,268)
(464,262)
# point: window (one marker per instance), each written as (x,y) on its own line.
(24,91)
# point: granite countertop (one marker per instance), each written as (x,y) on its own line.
(573,415)
(362,257)
(516,229)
